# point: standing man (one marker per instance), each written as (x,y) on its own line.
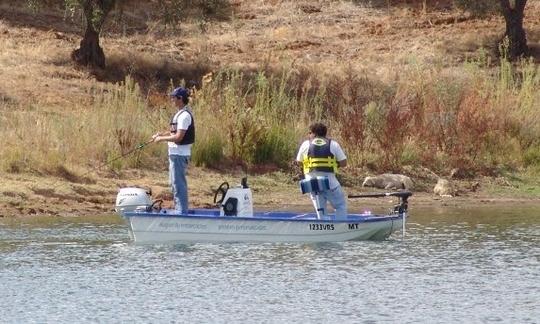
(179,139)
(321,156)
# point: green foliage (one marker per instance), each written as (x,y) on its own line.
(208,150)
(410,154)
(277,146)
(531,157)
(124,119)
(255,116)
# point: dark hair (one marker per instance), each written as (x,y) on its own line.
(182,93)
(319,129)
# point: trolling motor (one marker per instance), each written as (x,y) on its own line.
(236,201)
(403,196)
(403,203)
(399,209)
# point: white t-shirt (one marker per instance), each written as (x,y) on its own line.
(183,120)
(335,149)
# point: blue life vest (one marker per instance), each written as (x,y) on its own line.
(189,136)
(319,157)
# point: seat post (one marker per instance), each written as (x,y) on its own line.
(319,208)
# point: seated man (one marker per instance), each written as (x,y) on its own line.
(320,157)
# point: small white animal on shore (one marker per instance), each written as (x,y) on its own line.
(389,181)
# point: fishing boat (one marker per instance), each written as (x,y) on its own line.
(235,221)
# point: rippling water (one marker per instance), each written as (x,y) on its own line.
(455,266)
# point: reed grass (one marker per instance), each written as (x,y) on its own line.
(482,118)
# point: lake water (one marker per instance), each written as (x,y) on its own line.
(478,265)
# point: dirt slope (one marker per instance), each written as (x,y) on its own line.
(325,34)
(37,73)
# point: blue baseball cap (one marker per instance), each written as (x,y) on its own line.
(180,92)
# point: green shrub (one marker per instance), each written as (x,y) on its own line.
(531,158)
(208,151)
(276,146)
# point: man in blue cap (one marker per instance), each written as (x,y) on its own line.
(180,138)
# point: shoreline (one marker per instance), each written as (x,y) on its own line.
(27,195)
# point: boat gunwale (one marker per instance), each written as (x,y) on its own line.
(359,218)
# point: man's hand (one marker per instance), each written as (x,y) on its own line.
(156,137)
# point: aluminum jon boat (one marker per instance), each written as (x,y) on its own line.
(235,221)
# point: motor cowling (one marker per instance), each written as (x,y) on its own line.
(237,202)
(131,199)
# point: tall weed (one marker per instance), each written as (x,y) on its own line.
(479,118)
(252,115)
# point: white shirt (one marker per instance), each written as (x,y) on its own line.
(183,120)
(335,149)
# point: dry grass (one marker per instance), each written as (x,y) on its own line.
(260,32)
(63,121)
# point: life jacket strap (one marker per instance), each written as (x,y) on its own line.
(328,164)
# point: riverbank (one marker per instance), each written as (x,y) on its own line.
(435,68)
(27,195)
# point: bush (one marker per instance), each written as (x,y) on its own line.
(208,151)
(531,158)
(277,146)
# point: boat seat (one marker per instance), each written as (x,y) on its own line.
(315,185)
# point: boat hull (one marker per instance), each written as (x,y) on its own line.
(207,226)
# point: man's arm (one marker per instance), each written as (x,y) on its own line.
(184,120)
(299,160)
(299,170)
(176,137)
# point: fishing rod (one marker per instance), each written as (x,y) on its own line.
(135,149)
(400,194)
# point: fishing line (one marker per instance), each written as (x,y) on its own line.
(135,149)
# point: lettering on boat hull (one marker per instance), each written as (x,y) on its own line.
(321,227)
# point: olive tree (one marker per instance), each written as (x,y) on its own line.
(95,13)
(513,12)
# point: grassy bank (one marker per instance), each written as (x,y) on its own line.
(482,118)
(403,91)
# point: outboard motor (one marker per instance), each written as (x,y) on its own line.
(131,199)
(237,201)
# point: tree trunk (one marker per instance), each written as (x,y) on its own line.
(89,53)
(513,15)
